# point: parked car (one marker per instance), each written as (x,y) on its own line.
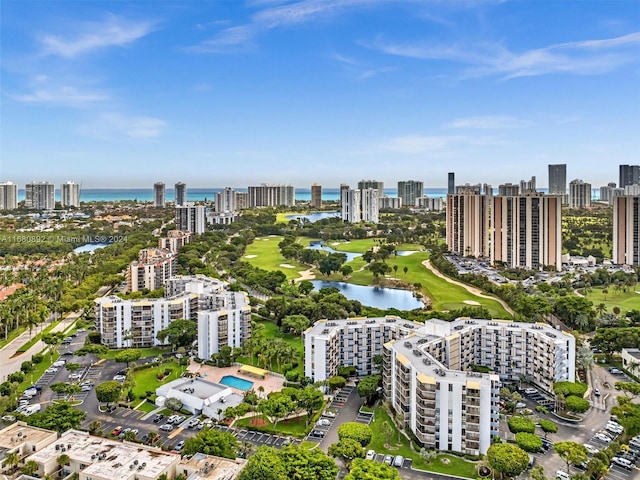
(51,370)
(179,445)
(329,414)
(602,437)
(546,444)
(596,392)
(530,391)
(167,427)
(371,454)
(388,459)
(591,449)
(398,461)
(323,422)
(193,423)
(8,418)
(178,420)
(614,428)
(318,433)
(75,376)
(622,462)
(117,431)
(119,378)
(521,405)
(614,370)
(157,417)
(562,475)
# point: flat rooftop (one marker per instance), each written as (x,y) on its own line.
(634,352)
(197,387)
(18,433)
(325,327)
(208,467)
(106,458)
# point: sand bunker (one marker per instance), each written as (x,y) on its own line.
(471,302)
(250,256)
(286,265)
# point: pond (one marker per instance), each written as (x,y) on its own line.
(322,246)
(315,216)
(374,296)
(90,247)
(405,253)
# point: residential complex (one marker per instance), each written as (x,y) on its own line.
(425,369)
(468,215)
(626,230)
(40,196)
(528,186)
(558,179)
(508,190)
(409,191)
(70,194)
(390,203)
(272,196)
(23,440)
(526,231)
(136,322)
(375,184)
(609,192)
(359,205)
(8,196)
(159,194)
(226,201)
(153,268)
(631,360)
(430,204)
(175,240)
(579,194)
(98,458)
(191,218)
(316,196)
(180,193)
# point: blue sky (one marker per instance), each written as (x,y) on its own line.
(215,93)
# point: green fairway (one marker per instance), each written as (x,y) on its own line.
(629,300)
(268,257)
(352,246)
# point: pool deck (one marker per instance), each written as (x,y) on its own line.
(214,374)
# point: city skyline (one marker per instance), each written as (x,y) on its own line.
(267,90)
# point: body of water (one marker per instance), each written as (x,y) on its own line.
(322,246)
(374,296)
(90,247)
(405,253)
(315,216)
(235,382)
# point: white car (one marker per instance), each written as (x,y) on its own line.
(51,370)
(167,427)
(371,454)
(591,449)
(530,391)
(323,422)
(602,437)
(562,475)
(614,428)
(75,376)
(59,363)
(119,378)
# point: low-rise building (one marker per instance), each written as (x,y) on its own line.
(198,395)
(208,467)
(631,360)
(23,440)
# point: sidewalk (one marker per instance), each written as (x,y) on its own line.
(11,363)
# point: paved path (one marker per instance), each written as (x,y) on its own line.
(473,290)
(10,362)
(348,413)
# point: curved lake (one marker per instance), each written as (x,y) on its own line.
(90,247)
(374,296)
(315,216)
(322,246)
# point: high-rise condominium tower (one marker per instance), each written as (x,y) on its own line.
(468,221)
(579,194)
(158,194)
(316,196)
(272,196)
(191,218)
(364,184)
(226,201)
(451,183)
(629,175)
(8,196)
(40,196)
(626,230)
(558,179)
(180,193)
(409,190)
(359,205)
(70,194)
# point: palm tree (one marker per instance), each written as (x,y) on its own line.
(405,269)
(261,390)
(387,430)
(151,437)
(601,308)
(95,427)
(30,467)
(12,460)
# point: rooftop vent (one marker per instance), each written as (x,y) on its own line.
(426,361)
(417,352)
(408,344)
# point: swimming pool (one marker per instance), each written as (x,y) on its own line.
(235,382)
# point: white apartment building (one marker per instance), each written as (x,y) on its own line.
(153,268)
(392,203)
(40,196)
(359,205)
(526,231)
(97,458)
(631,360)
(430,204)
(8,196)
(424,369)
(626,230)
(227,218)
(226,201)
(70,194)
(267,195)
(191,218)
(375,184)
(579,194)
(175,240)
(136,322)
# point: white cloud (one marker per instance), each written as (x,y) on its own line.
(487,122)
(111,126)
(114,32)
(588,57)
(67,96)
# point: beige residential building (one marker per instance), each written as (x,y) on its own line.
(8,196)
(468,217)
(267,195)
(626,230)
(527,231)
(175,240)
(316,196)
(153,268)
(23,440)
(579,194)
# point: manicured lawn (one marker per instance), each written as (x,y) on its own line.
(296,427)
(629,300)
(37,336)
(146,352)
(268,257)
(12,334)
(354,246)
(271,330)
(147,407)
(146,380)
(457,466)
(409,246)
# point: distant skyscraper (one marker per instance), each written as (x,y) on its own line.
(180,193)
(409,191)
(272,196)
(527,231)
(558,179)
(70,194)
(359,205)
(40,196)
(191,218)
(468,222)
(370,207)
(629,175)
(579,194)
(508,190)
(626,230)
(343,188)
(451,185)
(364,184)
(527,186)
(8,196)
(316,196)
(226,201)
(158,194)
(242,200)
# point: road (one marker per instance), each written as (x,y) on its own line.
(11,360)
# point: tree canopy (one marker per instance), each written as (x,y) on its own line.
(356,431)
(179,333)
(108,392)
(507,459)
(290,462)
(370,470)
(59,417)
(211,442)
